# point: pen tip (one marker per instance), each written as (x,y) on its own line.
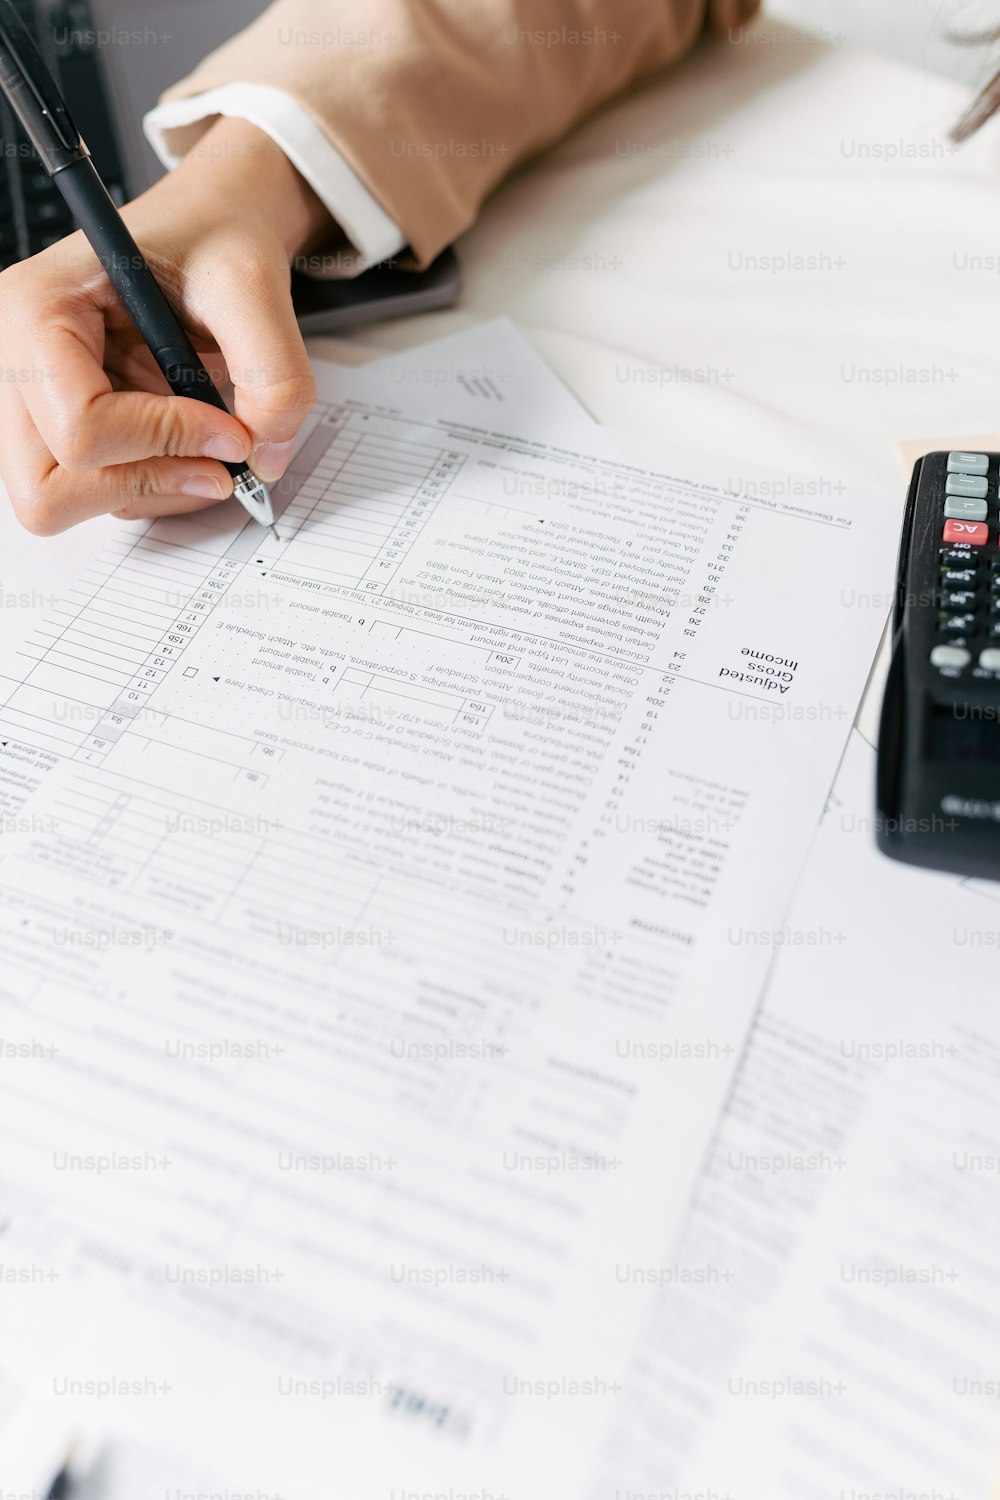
(274,533)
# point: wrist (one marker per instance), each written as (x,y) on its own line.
(236,162)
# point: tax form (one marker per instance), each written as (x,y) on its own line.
(384,911)
(825,1324)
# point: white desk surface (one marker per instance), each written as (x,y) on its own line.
(746,151)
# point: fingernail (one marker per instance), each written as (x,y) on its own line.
(270,460)
(203,485)
(228,449)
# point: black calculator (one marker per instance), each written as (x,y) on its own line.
(938,779)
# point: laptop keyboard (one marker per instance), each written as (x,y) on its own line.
(32,212)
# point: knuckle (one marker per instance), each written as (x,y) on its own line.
(73,444)
(133,489)
(168,435)
(40,514)
(280,392)
(145,482)
(296,392)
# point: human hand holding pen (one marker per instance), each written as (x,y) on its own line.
(87,425)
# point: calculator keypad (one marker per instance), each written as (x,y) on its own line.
(967,601)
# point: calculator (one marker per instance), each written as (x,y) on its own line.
(938,774)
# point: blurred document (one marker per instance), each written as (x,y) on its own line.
(826,1325)
(384,912)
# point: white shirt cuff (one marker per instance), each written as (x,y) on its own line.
(171,129)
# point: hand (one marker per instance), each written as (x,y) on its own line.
(87,423)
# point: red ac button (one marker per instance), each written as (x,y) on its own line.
(976,532)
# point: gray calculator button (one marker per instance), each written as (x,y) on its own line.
(953,656)
(990,659)
(968,463)
(966,484)
(962,508)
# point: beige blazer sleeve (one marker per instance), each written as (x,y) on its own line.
(433,102)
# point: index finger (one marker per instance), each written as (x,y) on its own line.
(86,424)
(47,499)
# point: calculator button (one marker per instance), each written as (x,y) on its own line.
(957,577)
(963,508)
(959,599)
(968,463)
(976,533)
(966,484)
(956,624)
(990,659)
(950,656)
(954,557)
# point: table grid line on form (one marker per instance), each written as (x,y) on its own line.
(392,489)
(363,503)
(165,629)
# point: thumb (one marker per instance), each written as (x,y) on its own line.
(273,381)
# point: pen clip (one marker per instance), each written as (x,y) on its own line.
(32,91)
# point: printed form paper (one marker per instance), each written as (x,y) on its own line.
(360,889)
(491,364)
(826,1324)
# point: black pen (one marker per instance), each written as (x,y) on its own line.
(34,97)
(61,1486)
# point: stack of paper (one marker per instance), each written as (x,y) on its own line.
(827,1320)
(385,911)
